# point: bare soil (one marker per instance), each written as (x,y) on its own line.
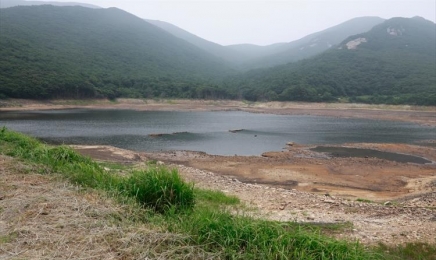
(383,201)
(416,114)
(302,169)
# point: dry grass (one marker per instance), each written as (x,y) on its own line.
(42,217)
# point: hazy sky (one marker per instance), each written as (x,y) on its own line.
(264,22)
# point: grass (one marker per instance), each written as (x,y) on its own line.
(209,221)
(74,102)
(159,189)
(242,237)
(8,238)
(329,228)
(364,200)
(215,198)
(421,251)
(156,188)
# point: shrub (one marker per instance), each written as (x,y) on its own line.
(160,189)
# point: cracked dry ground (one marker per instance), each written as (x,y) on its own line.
(397,212)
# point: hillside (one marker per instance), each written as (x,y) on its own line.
(12,3)
(395,62)
(234,57)
(254,52)
(77,52)
(316,43)
(249,56)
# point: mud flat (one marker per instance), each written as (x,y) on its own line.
(302,169)
(384,201)
(406,113)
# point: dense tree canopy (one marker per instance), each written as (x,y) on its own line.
(77,52)
(396,63)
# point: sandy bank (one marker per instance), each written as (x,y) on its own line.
(415,114)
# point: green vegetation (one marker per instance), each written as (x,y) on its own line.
(217,198)
(76,52)
(156,188)
(160,190)
(315,43)
(364,200)
(50,52)
(7,238)
(416,250)
(393,69)
(210,219)
(241,237)
(233,57)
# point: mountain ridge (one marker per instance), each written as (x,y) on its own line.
(209,46)
(395,62)
(251,56)
(318,42)
(12,3)
(56,49)
(77,52)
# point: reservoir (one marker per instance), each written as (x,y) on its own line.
(205,131)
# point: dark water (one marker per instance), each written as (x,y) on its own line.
(346,152)
(205,131)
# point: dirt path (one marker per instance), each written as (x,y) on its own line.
(404,219)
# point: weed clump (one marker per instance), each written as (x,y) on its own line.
(160,189)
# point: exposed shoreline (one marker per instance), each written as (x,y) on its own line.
(414,114)
(294,168)
(385,201)
(401,209)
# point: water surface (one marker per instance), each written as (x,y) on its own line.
(206,131)
(346,152)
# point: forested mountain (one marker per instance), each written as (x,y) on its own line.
(249,56)
(315,43)
(53,52)
(239,55)
(12,3)
(395,62)
(234,57)
(255,52)
(76,52)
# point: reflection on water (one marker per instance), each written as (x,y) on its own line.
(205,131)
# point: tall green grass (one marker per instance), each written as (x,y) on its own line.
(156,188)
(410,251)
(160,189)
(209,218)
(244,237)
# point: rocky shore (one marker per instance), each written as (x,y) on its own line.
(407,218)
